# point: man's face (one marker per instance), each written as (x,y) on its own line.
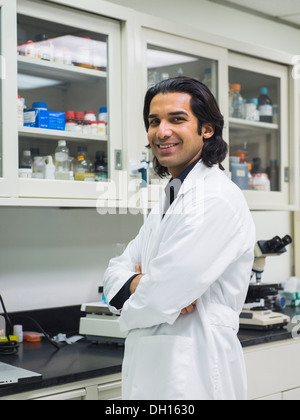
(173,131)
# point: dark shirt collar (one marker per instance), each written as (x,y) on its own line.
(187,170)
(173,187)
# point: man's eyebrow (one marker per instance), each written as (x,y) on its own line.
(178,113)
(152,116)
(170,113)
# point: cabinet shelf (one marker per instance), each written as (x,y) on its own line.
(61,72)
(237,123)
(32,132)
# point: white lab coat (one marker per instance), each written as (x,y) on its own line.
(202,250)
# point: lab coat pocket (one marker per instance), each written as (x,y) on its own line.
(160,368)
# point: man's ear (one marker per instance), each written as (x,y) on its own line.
(208,131)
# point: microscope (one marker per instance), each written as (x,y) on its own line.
(262,298)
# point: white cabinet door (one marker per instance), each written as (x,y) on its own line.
(8,100)
(69,61)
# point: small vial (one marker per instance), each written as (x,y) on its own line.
(18,331)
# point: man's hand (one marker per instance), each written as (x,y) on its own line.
(135,282)
(189,309)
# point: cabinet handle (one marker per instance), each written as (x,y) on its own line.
(287,174)
(118,160)
(2,67)
(64,396)
(107,387)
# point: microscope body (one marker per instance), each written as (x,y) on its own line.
(261,298)
(263,249)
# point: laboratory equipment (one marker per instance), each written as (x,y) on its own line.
(100,325)
(137,168)
(262,298)
(14,375)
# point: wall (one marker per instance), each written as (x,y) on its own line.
(56,257)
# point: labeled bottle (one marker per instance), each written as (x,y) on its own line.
(103,116)
(100,166)
(79,118)
(235,101)
(45,47)
(265,106)
(94,128)
(90,116)
(83,168)
(239,172)
(101,128)
(71,124)
(62,161)
(30,49)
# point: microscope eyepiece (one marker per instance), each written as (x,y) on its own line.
(287,240)
(274,244)
(277,244)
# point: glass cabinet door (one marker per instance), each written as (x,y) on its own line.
(67,84)
(171,56)
(258,129)
(164,63)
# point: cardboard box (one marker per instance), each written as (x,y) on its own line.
(36,118)
(57,120)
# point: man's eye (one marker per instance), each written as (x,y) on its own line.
(153,122)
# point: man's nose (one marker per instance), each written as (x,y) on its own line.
(164,131)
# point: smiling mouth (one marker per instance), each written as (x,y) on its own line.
(160,146)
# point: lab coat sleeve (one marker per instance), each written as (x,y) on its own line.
(121,269)
(192,258)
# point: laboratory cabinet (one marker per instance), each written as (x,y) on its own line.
(67,69)
(102,388)
(262,158)
(273,371)
(69,60)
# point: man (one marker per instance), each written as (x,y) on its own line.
(181,284)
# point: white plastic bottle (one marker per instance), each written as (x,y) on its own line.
(49,168)
(62,160)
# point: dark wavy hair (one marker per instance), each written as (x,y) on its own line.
(204,107)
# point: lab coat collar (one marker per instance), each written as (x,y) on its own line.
(194,180)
